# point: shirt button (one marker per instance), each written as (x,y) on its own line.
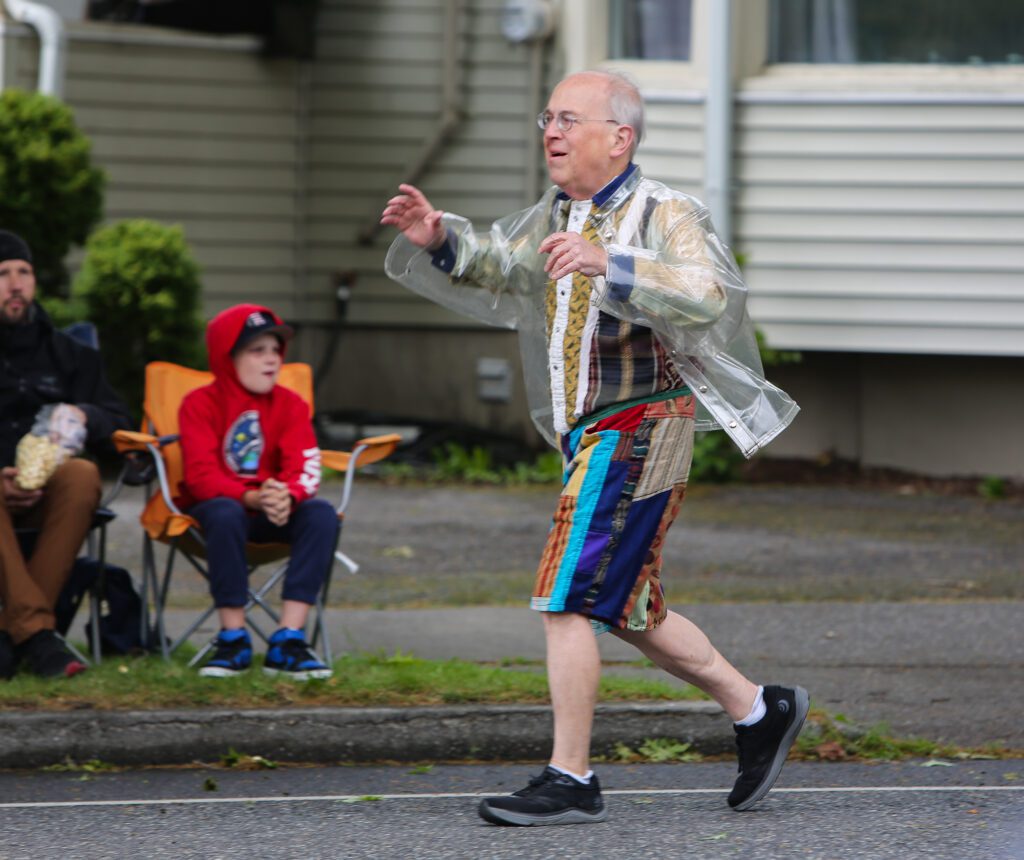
(732,424)
(703,389)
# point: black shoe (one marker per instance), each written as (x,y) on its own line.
(289,656)
(763,747)
(45,654)
(8,662)
(551,798)
(232,655)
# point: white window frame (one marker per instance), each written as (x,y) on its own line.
(851,78)
(584,36)
(584,40)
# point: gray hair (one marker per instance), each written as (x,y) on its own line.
(626,104)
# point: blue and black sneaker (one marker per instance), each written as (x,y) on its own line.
(290,655)
(232,655)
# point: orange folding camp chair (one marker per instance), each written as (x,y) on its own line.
(166,386)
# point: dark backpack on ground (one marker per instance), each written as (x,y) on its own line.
(120,607)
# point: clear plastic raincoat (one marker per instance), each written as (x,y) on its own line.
(667,271)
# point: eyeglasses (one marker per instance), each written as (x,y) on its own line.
(565,121)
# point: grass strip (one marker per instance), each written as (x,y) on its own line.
(359,680)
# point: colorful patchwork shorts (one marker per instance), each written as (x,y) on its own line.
(624,482)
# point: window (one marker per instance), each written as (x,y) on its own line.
(649,30)
(897,31)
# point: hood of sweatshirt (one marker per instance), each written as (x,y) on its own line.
(222,334)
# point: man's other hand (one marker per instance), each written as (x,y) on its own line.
(15,497)
(412,213)
(570,252)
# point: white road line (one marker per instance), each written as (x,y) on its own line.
(358,798)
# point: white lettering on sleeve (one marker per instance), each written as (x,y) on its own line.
(310,477)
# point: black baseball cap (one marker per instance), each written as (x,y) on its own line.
(262,322)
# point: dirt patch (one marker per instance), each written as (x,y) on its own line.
(835,471)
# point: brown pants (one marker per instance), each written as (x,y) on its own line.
(29,590)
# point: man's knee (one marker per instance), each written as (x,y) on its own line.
(77,479)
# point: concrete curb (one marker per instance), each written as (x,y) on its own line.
(29,740)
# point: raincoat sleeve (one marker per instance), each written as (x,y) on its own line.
(667,270)
(480,275)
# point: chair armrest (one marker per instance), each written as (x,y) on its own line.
(132,440)
(364,452)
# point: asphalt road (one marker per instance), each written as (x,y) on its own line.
(971,810)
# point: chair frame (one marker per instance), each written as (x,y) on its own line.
(156,587)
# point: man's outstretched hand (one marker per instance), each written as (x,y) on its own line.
(412,213)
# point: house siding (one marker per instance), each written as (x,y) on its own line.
(191,130)
(885,226)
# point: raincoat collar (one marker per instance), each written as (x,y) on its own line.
(605,194)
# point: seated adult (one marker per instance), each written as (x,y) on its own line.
(40,366)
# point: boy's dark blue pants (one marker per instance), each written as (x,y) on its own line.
(312,532)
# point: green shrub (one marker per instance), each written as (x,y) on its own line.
(50,194)
(140,286)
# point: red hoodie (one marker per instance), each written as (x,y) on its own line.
(233,440)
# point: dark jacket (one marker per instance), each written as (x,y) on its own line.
(40,365)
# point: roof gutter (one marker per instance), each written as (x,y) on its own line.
(718,119)
(52,38)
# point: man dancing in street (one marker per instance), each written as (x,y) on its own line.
(633,332)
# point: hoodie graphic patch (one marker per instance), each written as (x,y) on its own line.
(243,444)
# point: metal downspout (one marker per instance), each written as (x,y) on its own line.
(718,119)
(451,115)
(52,39)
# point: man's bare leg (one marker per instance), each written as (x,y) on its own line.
(574,669)
(680,647)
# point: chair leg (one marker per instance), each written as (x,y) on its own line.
(96,597)
(353,566)
(160,602)
(195,625)
(74,650)
(148,574)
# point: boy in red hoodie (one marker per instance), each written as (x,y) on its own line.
(252,469)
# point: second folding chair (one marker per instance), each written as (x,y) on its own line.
(166,386)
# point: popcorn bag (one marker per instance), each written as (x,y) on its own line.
(58,433)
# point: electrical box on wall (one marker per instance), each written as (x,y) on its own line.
(494,380)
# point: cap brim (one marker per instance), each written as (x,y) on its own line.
(285,332)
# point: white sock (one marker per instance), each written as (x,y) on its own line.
(757,710)
(585,780)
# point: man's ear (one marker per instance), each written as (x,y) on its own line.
(624,135)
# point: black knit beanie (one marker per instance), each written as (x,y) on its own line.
(13,247)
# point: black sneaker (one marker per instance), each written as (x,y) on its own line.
(763,747)
(551,798)
(289,655)
(8,662)
(45,654)
(232,655)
